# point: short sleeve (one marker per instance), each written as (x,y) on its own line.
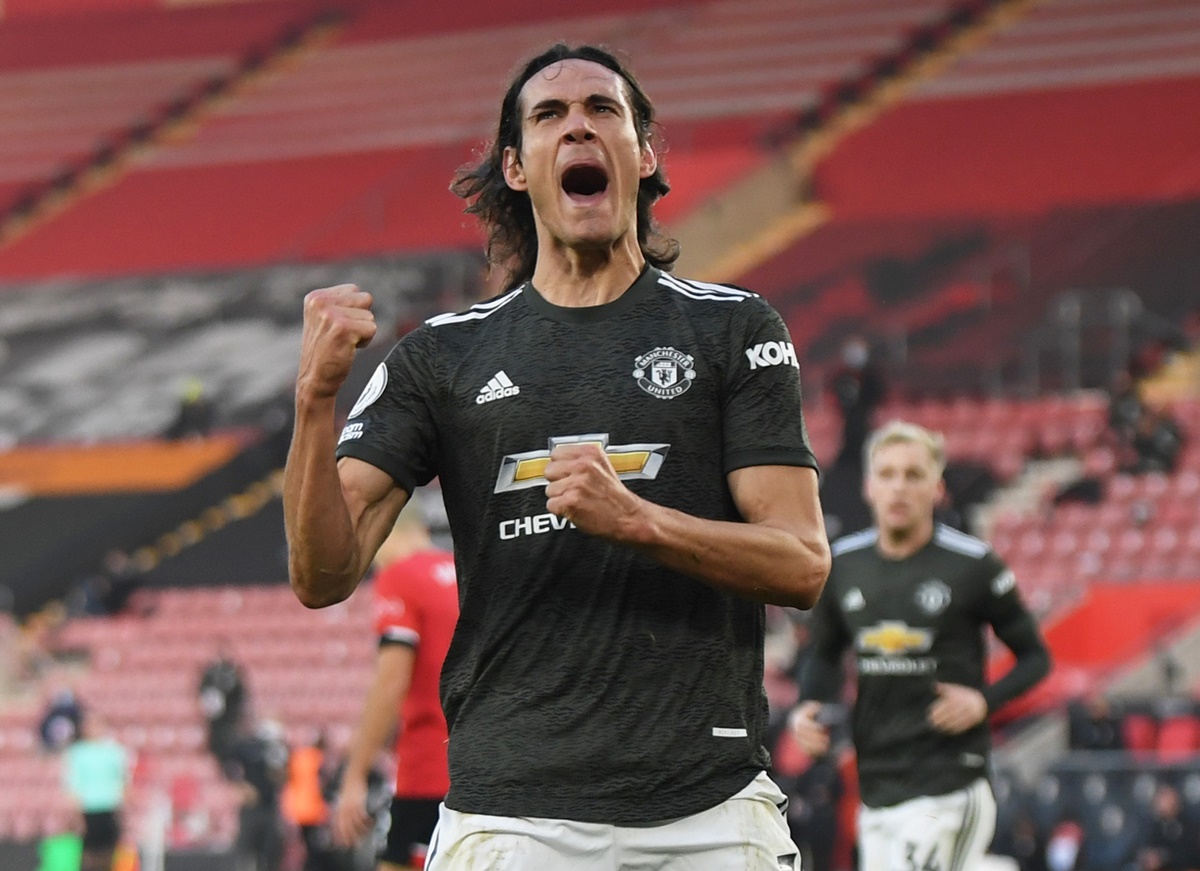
(397,611)
(393,425)
(764,422)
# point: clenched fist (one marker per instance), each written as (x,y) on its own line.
(585,489)
(337,322)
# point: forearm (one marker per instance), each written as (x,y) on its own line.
(753,560)
(377,722)
(323,554)
(1031,666)
(1019,634)
(821,679)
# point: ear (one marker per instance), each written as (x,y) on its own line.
(941,492)
(514,173)
(649,161)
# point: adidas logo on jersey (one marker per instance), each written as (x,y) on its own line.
(500,386)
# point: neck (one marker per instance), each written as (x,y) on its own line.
(576,278)
(899,544)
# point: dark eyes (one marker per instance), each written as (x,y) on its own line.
(547,114)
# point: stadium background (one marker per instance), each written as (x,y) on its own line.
(1001,196)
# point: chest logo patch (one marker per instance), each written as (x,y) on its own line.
(630,462)
(893,637)
(665,372)
(932,596)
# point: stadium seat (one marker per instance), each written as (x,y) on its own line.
(1140,733)
(1178,738)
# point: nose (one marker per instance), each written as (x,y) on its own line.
(579,126)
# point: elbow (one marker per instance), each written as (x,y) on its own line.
(313,595)
(811,580)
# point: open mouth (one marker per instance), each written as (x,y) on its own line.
(584,181)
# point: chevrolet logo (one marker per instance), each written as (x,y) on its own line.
(631,462)
(891,637)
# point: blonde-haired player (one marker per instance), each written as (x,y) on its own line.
(913,597)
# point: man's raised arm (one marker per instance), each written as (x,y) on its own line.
(336,513)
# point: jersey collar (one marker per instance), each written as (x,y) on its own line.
(642,287)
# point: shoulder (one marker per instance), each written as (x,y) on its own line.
(475,314)
(948,539)
(857,541)
(976,558)
(706,291)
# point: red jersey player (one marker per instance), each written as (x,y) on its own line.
(416,608)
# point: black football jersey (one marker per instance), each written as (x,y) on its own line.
(585,681)
(911,623)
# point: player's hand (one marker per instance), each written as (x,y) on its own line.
(812,737)
(957,708)
(350,818)
(584,489)
(337,322)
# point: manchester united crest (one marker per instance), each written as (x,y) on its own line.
(665,372)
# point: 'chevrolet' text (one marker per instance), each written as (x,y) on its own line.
(535,525)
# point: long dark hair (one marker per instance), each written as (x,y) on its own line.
(508,214)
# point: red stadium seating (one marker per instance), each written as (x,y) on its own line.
(334,154)
(1139,733)
(71,86)
(1178,737)
(309,669)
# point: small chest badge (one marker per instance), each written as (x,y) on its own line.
(665,372)
(933,596)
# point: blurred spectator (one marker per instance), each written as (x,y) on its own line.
(1156,444)
(258,764)
(1146,359)
(1112,841)
(1146,439)
(108,590)
(1094,725)
(858,389)
(36,640)
(304,804)
(96,772)
(1023,843)
(1169,668)
(1169,843)
(62,720)
(1124,408)
(195,416)
(1064,849)
(222,695)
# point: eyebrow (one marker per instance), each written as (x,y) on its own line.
(559,103)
